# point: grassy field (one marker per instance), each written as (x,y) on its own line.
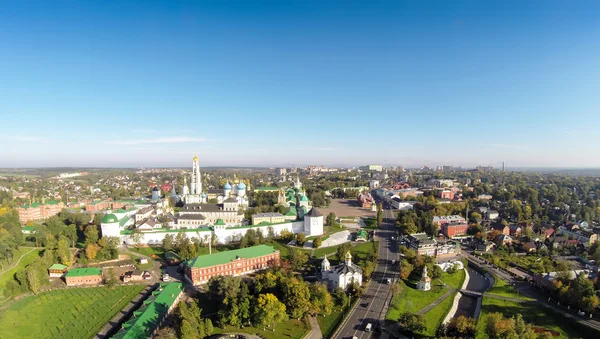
(370,223)
(323,251)
(16,255)
(454,280)
(27,259)
(293,329)
(83,311)
(329,323)
(412,300)
(502,288)
(149,250)
(532,313)
(436,315)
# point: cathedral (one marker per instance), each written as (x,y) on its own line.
(195,194)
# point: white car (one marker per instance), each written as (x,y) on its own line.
(166,277)
(368,327)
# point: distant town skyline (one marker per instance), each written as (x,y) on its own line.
(271,84)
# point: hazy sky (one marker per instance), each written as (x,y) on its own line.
(110,83)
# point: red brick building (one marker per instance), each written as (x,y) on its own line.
(454,228)
(37,211)
(83,276)
(447,194)
(237,262)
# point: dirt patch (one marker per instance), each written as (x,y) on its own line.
(346,208)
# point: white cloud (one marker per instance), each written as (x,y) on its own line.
(25,138)
(167,140)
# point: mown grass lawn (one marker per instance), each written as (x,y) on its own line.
(436,315)
(412,300)
(532,313)
(323,251)
(65,313)
(502,288)
(454,280)
(149,250)
(293,329)
(370,223)
(329,323)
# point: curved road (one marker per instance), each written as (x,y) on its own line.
(371,306)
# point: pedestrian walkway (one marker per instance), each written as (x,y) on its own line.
(315,329)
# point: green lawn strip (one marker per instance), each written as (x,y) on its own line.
(149,250)
(78,312)
(503,289)
(454,280)
(436,315)
(370,223)
(532,313)
(329,323)
(323,251)
(412,300)
(294,329)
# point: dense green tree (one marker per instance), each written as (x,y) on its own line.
(269,311)
(296,297)
(330,219)
(91,234)
(411,322)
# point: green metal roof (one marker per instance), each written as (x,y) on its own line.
(52,202)
(82,272)
(57,267)
(228,256)
(28,228)
(147,318)
(119,211)
(220,222)
(109,218)
(124,220)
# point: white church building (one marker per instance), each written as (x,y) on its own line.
(341,275)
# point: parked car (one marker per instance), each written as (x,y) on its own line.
(368,327)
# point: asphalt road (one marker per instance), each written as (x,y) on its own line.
(371,305)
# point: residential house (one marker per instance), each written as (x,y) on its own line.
(57,270)
(529,247)
(136,275)
(502,239)
(492,215)
(503,229)
(515,230)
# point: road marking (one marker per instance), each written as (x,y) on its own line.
(375,296)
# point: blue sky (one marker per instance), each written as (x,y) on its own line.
(113,83)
